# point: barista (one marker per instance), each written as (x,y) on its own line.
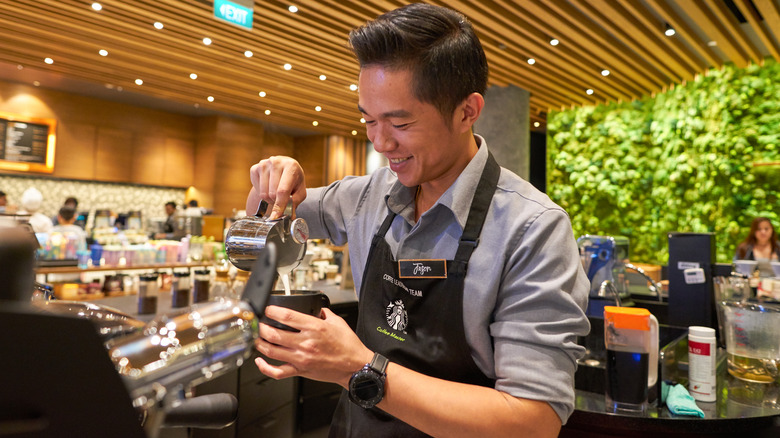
(760,245)
(436,341)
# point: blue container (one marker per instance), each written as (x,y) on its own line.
(97,253)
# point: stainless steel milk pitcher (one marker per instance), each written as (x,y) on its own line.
(249,234)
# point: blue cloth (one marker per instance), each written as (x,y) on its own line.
(679,401)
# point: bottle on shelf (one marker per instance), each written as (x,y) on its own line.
(148,292)
(181,287)
(220,288)
(200,287)
(239,283)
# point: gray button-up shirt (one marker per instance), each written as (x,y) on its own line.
(525,290)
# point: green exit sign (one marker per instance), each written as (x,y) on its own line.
(235,13)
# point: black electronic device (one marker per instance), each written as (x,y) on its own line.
(690,270)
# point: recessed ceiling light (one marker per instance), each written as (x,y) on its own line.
(536,124)
(293,9)
(531,61)
(267,112)
(110,86)
(36,83)
(261,94)
(554,42)
(97,6)
(103,52)
(139,82)
(48,61)
(288,66)
(193,76)
(248,53)
(317,108)
(589,91)
(197,105)
(353,87)
(354,132)
(210,98)
(669,31)
(712,43)
(362,120)
(323,77)
(207,41)
(315,123)
(158,25)
(119,88)
(20,67)
(605,72)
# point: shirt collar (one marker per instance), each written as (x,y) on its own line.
(458,196)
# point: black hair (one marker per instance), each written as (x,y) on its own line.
(67,213)
(172,204)
(438,45)
(193,203)
(72,200)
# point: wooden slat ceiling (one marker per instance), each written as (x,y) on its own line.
(625,37)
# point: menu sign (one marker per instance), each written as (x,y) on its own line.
(27,144)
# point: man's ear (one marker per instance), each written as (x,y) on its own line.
(467,113)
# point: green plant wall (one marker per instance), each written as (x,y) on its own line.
(680,161)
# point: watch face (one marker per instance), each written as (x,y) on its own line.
(366,389)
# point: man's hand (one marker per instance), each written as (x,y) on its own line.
(276,180)
(325,349)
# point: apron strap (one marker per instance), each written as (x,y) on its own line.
(480,204)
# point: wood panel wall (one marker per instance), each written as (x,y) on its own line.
(99,140)
(345,156)
(310,151)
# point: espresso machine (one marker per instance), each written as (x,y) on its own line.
(79,369)
(604,260)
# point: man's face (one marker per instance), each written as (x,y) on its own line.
(169,210)
(412,135)
(3,201)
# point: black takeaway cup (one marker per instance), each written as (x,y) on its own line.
(309,302)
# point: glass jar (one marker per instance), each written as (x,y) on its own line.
(147,294)
(239,283)
(221,286)
(200,287)
(181,287)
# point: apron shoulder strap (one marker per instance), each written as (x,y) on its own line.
(479,207)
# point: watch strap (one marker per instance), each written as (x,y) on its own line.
(379,364)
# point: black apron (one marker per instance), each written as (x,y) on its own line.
(416,320)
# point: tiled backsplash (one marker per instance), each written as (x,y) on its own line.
(119,198)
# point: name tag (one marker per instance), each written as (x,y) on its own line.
(422,268)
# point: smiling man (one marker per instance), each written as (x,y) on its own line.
(471,293)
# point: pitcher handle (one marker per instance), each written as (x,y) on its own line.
(652,372)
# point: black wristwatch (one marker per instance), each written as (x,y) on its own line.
(367,386)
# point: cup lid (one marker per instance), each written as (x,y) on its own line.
(627,317)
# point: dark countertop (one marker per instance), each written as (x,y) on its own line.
(742,408)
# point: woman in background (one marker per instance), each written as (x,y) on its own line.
(760,245)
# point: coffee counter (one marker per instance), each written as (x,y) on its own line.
(741,409)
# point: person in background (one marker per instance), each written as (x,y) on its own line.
(32,199)
(66,224)
(470,288)
(170,222)
(3,201)
(193,209)
(760,245)
(80,219)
